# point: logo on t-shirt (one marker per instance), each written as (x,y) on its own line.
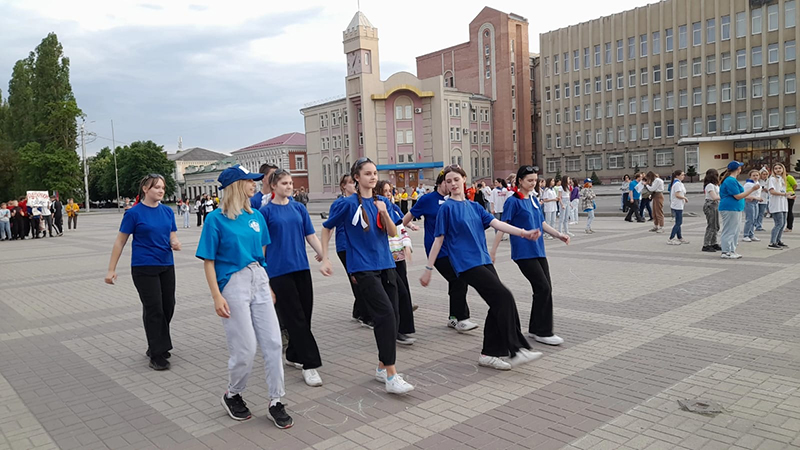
(255,226)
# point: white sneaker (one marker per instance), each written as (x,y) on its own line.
(755,239)
(747,239)
(380,375)
(294,364)
(736,255)
(312,378)
(549,340)
(570,234)
(673,242)
(547,236)
(397,385)
(727,256)
(683,241)
(462,326)
(494,362)
(524,356)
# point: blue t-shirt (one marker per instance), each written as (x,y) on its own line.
(730,187)
(289,224)
(526,214)
(341,238)
(232,244)
(428,206)
(366,249)
(462,224)
(636,194)
(255,201)
(150,228)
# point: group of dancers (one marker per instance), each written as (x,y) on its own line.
(254,256)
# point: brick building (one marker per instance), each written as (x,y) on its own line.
(287,151)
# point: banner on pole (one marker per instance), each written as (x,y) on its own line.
(38,198)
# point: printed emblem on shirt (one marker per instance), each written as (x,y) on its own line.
(255,226)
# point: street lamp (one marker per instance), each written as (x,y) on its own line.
(116,173)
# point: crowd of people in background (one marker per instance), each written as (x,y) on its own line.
(20,220)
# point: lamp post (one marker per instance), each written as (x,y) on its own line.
(116,173)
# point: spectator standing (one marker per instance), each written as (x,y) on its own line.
(47,218)
(778,205)
(5,222)
(587,204)
(655,185)
(185,212)
(791,184)
(626,189)
(634,196)
(72,214)
(711,210)
(763,204)
(677,200)
(751,206)
(58,215)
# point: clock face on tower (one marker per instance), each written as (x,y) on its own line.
(353,63)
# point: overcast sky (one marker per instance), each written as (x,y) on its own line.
(226,74)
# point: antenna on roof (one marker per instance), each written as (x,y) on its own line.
(180,143)
(359,4)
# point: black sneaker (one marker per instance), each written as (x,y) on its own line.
(717,247)
(774,247)
(404,339)
(709,248)
(781,244)
(278,415)
(159,363)
(235,407)
(165,355)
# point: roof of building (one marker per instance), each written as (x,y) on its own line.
(216,166)
(359,20)
(196,154)
(288,139)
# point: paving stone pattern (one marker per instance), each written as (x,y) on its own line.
(645,324)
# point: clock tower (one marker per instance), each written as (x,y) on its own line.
(360,41)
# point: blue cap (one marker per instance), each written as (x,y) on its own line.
(236,173)
(588,180)
(733,165)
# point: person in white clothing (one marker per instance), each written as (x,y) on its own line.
(549,200)
(778,205)
(498,199)
(655,185)
(566,206)
(763,180)
(677,198)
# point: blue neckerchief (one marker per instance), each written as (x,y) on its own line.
(749,181)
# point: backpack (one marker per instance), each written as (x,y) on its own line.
(479,197)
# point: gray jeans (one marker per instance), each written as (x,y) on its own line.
(253,321)
(777,231)
(731,225)
(710,208)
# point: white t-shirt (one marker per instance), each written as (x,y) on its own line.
(764,192)
(755,195)
(549,194)
(499,199)
(711,187)
(675,202)
(777,203)
(209,204)
(46,208)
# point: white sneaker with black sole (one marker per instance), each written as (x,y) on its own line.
(549,340)
(524,356)
(462,326)
(494,362)
(312,378)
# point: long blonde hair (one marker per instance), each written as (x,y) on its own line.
(235,199)
(783,173)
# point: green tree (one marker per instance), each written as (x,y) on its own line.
(101,176)
(50,168)
(7,155)
(139,159)
(595,179)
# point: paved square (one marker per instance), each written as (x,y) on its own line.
(645,324)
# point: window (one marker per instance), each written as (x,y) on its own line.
(741,121)
(578,139)
(657,74)
(758,88)
(756,56)
(741,90)
(488,73)
(741,59)
(558,92)
(668,40)
(670,128)
(670,72)
(553,164)
(670,100)
(555,64)
(597,85)
(726,92)
(514,91)
(697,96)
(455,134)
(789,50)
(558,117)
(697,67)
(683,70)
(616,160)
(547,66)
(790,116)
(711,64)
(788,14)
(664,157)
(547,93)
(587,138)
(323,120)
(473,115)
(586,57)
(657,130)
(711,126)
(683,98)
(620,107)
(514,136)
(577,113)
(598,111)
(548,141)
(399,137)
(756,18)
(608,52)
(632,132)
(772,118)
(772,53)
(587,86)
(620,51)
(566,90)
(758,120)
(682,37)
(576,88)
(684,124)
(547,116)
(573,163)
(711,31)
(631,78)
(643,76)
(620,81)
(598,136)
(726,123)
(594,162)
(645,132)
(609,83)
(484,115)
(741,24)
(656,102)
(587,112)
(726,62)
(790,83)
(656,42)
(711,94)
(697,35)
(566,62)
(645,100)
(772,19)
(697,124)
(474,136)
(609,135)
(632,105)
(621,134)
(773,86)
(639,159)
(597,56)
(643,45)
(631,48)
(608,109)
(725,28)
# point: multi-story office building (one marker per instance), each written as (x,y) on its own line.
(670,85)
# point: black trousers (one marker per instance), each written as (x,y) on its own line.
(156,286)
(35,226)
(456,288)
(379,291)
(294,300)
(58,222)
(199,218)
(790,216)
(633,208)
(404,206)
(502,335)
(359,308)
(537,271)
(406,323)
(18,228)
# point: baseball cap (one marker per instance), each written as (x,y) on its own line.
(588,180)
(733,165)
(236,173)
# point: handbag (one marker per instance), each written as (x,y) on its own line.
(646,193)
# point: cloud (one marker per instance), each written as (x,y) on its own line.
(198,7)
(150,6)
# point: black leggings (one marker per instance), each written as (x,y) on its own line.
(406,323)
(790,216)
(501,333)
(156,286)
(537,271)
(379,291)
(294,300)
(359,309)
(456,288)
(199,218)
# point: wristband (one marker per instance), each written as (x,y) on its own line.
(428,268)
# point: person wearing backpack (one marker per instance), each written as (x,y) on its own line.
(479,198)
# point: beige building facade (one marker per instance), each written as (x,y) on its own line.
(670,85)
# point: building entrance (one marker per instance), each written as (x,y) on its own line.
(757,154)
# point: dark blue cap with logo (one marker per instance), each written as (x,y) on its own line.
(236,173)
(733,165)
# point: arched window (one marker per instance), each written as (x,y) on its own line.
(337,169)
(476,164)
(486,164)
(449,81)
(455,157)
(326,170)
(403,108)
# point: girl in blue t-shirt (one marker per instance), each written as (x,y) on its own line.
(232,247)
(524,211)
(460,227)
(153,227)
(367,225)
(290,228)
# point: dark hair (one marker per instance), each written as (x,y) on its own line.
(502,182)
(277,175)
(626,176)
(547,183)
(457,169)
(343,181)
(650,177)
(480,185)
(266,167)
(148,182)
(564,182)
(675,176)
(523,172)
(712,176)
(355,170)
(379,187)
